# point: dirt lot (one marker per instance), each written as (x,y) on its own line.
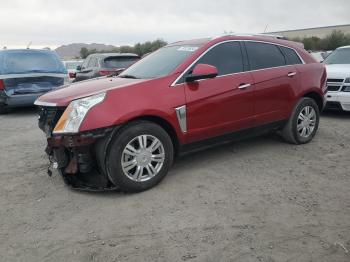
(256,200)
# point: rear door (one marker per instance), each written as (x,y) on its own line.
(220,105)
(275,79)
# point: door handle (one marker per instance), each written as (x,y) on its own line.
(291,74)
(244,86)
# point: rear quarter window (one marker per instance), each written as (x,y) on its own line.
(291,56)
(119,61)
(263,55)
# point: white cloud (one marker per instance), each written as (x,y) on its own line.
(126,22)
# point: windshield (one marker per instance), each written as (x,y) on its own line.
(160,63)
(339,56)
(30,61)
(119,62)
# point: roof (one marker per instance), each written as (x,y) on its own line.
(200,41)
(257,37)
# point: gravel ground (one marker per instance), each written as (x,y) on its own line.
(256,200)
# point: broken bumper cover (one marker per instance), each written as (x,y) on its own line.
(80,159)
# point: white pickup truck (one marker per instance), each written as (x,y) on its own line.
(338,79)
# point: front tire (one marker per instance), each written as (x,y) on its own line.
(139,156)
(303,123)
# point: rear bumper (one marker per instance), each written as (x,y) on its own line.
(340,98)
(18,100)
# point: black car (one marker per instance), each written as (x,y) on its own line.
(96,65)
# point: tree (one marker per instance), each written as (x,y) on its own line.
(330,42)
(139,48)
(84,52)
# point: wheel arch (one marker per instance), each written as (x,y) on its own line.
(164,124)
(317,97)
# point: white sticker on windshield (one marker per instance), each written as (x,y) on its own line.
(187,48)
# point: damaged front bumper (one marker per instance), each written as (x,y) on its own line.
(79,158)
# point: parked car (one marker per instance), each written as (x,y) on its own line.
(71,67)
(123,132)
(319,55)
(26,74)
(97,65)
(338,82)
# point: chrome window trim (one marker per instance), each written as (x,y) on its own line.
(174,83)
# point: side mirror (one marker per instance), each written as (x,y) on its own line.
(78,68)
(202,71)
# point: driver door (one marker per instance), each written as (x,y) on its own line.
(223,104)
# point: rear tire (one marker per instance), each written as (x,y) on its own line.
(139,156)
(303,123)
(3,109)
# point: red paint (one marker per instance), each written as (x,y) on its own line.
(214,106)
(2,85)
(203,69)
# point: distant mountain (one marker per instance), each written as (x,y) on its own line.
(73,50)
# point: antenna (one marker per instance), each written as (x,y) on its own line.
(29,44)
(265,28)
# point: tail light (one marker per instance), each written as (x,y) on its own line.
(72,75)
(2,85)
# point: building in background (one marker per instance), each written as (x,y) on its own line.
(320,32)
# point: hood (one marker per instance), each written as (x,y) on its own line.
(338,70)
(63,96)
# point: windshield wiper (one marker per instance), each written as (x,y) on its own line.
(128,76)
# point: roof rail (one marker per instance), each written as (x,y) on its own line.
(257,34)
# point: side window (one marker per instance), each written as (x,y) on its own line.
(263,55)
(291,56)
(92,62)
(226,57)
(86,62)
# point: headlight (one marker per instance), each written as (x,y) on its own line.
(75,113)
(347,80)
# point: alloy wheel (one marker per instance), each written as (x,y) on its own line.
(143,158)
(306,121)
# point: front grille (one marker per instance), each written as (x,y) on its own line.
(335,80)
(333,88)
(48,118)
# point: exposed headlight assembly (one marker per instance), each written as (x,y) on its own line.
(75,113)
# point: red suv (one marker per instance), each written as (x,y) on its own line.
(123,132)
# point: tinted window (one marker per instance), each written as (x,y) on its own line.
(226,57)
(92,62)
(86,62)
(30,61)
(119,62)
(160,63)
(263,55)
(291,56)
